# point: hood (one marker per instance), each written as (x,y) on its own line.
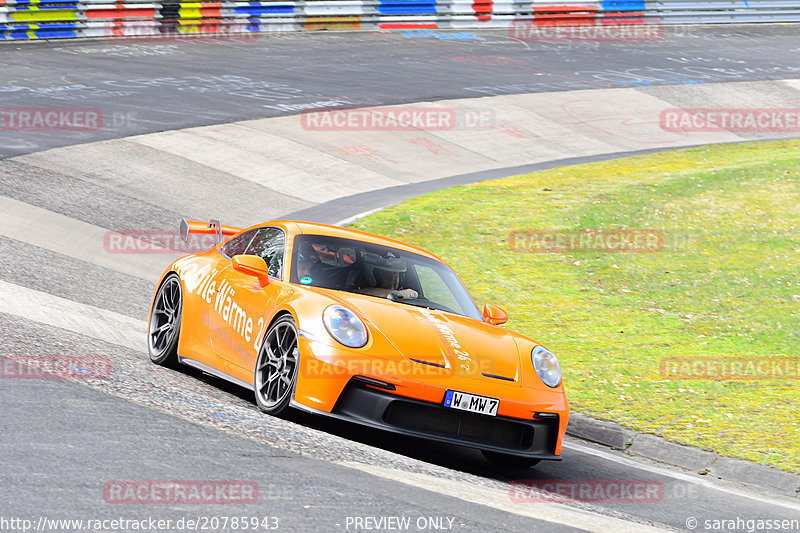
(458,344)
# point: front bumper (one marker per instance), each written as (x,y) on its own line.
(364,404)
(529,422)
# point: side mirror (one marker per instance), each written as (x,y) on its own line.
(494,315)
(252,265)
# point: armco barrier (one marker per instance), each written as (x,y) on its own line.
(51,19)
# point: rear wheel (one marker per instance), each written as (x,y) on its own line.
(276,366)
(165,322)
(506,460)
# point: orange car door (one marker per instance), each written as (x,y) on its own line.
(243,305)
(211,305)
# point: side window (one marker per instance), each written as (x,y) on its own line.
(238,244)
(268,245)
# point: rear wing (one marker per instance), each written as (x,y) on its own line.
(212,227)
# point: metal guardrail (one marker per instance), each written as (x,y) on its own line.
(52,19)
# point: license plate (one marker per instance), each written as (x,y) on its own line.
(471,402)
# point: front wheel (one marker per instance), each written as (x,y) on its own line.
(509,461)
(276,366)
(165,322)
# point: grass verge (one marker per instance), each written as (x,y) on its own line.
(725,286)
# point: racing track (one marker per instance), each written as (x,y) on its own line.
(63,294)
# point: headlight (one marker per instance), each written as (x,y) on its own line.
(546,366)
(345,326)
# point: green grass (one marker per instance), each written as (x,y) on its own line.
(726,284)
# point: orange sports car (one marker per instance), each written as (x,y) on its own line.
(359,327)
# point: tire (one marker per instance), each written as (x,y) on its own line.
(276,367)
(165,322)
(509,461)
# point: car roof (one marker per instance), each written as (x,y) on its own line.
(313,228)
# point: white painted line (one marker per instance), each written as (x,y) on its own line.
(74,238)
(706,483)
(72,316)
(500,499)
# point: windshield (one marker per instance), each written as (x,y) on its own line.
(380,271)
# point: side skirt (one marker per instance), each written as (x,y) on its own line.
(214,372)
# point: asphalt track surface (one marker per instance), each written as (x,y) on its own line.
(144,87)
(60,441)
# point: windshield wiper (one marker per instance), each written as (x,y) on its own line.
(421,302)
